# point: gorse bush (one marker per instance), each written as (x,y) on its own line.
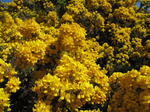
(130,91)
(75,56)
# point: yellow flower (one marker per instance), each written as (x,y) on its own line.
(40,106)
(29,53)
(4,100)
(67,18)
(28,28)
(52,19)
(13,84)
(6,70)
(7,20)
(71,35)
(145,70)
(131,90)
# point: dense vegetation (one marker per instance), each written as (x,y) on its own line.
(75,56)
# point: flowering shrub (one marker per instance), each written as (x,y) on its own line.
(130,91)
(11,86)
(74,55)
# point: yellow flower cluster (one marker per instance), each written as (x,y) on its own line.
(122,58)
(122,36)
(97,20)
(130,91)
(88,52)
(8,29)
(41,106)
(71,36)
(7,20)
(6,51)
(67,18)
(12,85)
(124,14)
(137,43)
(96,4)
(4,100)
(126,3)
(18,10)
(48,5)
(29,53)
(75,84)
(52,19)
(29,28)
(76,7)
(76,73)
(106,52)
(74,51)
(139,31)
(6,70)
(47,87)
(72,74)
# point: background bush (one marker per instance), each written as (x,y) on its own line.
(75,55)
